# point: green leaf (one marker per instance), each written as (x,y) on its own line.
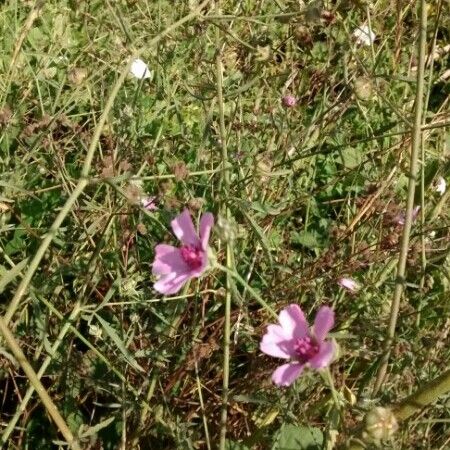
(266,208)
(292,437)
(308,239)
(231,445)
(8,276)
(351,158)
(120,345)
(91,431)
(260,233)
(17,243)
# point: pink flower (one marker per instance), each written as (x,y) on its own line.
(348,283)
(293,339)
(401,217)
(289,101)
(149,203)
(175,266)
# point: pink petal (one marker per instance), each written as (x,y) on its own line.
(206,223)
(277,343)
(184,229)
(325,355)
(271,349)
(168,259)
(293,322)
(286,374)
(323,323)
(276,349)
(276,334)
(171,283)
(348,283)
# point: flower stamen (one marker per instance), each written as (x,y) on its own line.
(305,349)
(192,256)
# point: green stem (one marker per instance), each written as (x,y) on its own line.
(415,403)
(423,397)
(416,139)
(326,375)
(225,184)
(21,408)
(34,380)
(244,284)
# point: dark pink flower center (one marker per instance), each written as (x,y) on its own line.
(192,256)
(306,348)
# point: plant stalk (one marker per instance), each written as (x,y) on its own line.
(225,182)
(36,383)
(413,172)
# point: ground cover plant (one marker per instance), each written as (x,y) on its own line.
(224,224)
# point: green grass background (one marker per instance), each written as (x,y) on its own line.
(314,194)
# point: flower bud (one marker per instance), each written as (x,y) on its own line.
(225,229)
(363,88)
(289,101)
(380,424)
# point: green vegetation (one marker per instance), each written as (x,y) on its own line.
(303,193)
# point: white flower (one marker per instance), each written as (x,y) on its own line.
(441,186)
(139,69)
(364,35)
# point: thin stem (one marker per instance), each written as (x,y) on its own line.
(406,408)
(202,406)
(21,408)
(129,177)
(225,184)
(34,380)
(328,378)
(415,147)
(244,284)
(32,16)
(423,253)
(424,396)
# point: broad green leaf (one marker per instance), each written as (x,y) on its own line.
(351,157)
(308,239)
(292,437)
(231,445)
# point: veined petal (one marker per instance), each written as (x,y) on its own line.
(293,322)
(184,229)
(323,323)
(286,374)
(276,342)
(168,259)
(325,355)
(171,283)
(273,343)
